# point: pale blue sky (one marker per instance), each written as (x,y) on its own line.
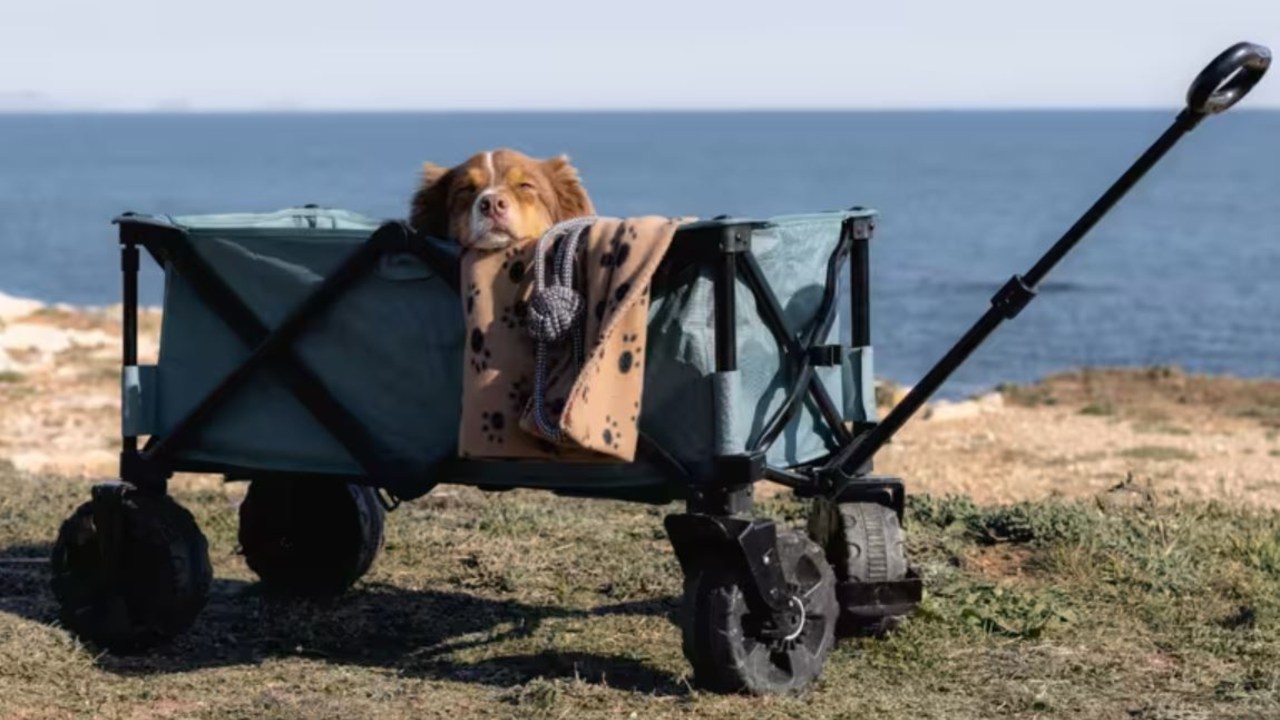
(493,54)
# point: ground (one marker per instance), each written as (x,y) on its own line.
(1104,543)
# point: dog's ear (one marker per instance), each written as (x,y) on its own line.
(429,213)
(570,195)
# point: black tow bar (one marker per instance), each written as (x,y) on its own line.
(1227,79)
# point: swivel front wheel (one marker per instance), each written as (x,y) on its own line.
(734,649)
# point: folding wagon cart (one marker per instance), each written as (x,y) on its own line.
(317,354)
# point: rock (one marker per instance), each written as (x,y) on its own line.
(991,402)
(945,410)
(49,340)
(43,339)
(30,461)
(8,364)
(12,308)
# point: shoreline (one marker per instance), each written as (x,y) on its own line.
(1073,433)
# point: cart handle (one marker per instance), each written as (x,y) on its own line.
(1228,78)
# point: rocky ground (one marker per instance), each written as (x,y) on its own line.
(60,385)
(1073,434)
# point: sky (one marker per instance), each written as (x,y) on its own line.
(602,54)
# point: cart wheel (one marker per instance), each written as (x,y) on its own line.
(310,538)
(130,570)
(865,544)
(723,640)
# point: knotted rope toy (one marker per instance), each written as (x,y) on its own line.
(556,308)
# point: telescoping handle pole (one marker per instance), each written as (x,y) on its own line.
(1220,85)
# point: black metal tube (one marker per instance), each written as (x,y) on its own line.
(859,291)
(789,479)
(853,456)
(790,406)
(775,319)
(268,346)
(1181,126)
(726,312)
(129,264)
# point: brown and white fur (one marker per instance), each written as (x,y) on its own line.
(497,197)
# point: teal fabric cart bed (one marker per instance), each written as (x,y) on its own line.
(389,350)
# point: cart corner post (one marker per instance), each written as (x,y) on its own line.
(133,470)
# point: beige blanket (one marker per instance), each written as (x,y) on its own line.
(595,408)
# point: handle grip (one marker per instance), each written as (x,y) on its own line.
(1228,78)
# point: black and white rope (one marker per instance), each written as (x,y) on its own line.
(556,309)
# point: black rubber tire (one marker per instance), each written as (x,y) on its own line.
(310,538)
(865,544)
(716,626)
(150,592)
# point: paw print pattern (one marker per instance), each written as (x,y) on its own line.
(619,248)
(620,293)
(514,267)
(519,394)
(515,316)
(631,354)
(494,422)
(479,353)
(611,436)
(473,292)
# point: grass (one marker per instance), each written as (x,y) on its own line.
(1152,395)
(1158,453)
(525,605)
(1161,428)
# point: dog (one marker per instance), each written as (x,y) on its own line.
(496,198)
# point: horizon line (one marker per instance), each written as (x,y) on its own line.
(745,109)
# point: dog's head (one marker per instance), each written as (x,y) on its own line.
(497,197)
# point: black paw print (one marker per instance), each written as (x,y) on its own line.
(479,353)
(492,427)
(630,358)
(620,293)
(473,292)
(515,267)
(619,248)
(515,316)
(611,436)
(519,394)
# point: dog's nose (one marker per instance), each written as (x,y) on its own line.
(493,206)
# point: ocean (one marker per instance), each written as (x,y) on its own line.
(1184,272)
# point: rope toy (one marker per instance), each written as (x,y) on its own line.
(556,309)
